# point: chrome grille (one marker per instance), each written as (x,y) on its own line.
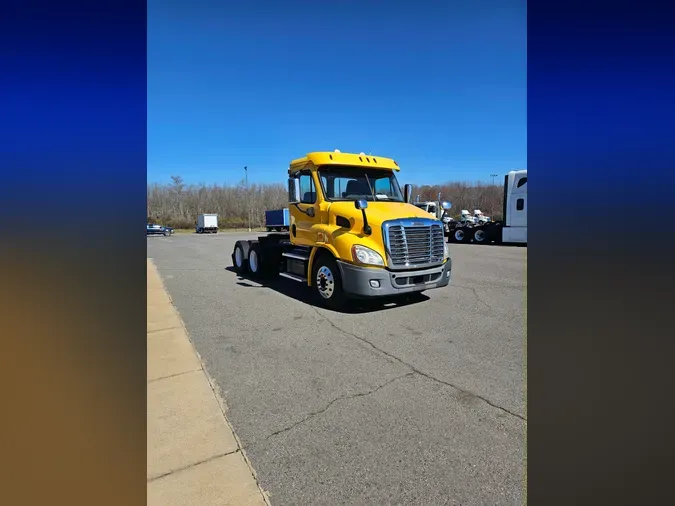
(413,243)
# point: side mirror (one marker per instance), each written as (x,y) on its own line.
(446,205)
(407,193)
(293,190)
(361,204)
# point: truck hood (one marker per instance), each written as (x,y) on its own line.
(379,212)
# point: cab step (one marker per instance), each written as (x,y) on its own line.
(297,254)
(294,277)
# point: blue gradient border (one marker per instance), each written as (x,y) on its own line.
(601,151)
(72,199)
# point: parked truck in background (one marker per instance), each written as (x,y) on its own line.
(435,209)
(480,218)
(278,219)
(513,228)
(207,224)
(353,233)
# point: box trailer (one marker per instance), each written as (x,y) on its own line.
(207,224)
(278,220)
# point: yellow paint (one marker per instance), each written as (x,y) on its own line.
(319,158)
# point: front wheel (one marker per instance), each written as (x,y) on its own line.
(327,282)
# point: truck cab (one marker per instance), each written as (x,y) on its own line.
(430,207)
(353,232)
(515,207)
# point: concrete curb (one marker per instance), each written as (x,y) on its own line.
(194,456)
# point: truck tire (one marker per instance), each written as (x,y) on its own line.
(460,235)
(327,282)
(256,266)
(480,236)
(240,256)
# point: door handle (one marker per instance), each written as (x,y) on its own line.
(309,211)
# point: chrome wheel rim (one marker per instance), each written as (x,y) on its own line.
(479,236)
(238,257)
(459,235)
(325,282)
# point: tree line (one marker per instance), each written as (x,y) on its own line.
(177,204)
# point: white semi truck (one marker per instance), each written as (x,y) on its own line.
(513,230)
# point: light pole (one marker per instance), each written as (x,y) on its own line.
(493,176)
(248,202)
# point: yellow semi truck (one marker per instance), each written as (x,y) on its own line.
(353,233)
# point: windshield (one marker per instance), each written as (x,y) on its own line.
(354,183)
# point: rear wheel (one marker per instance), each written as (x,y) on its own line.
(240,256)
(255,265)
(480,236)
(327,282)
(460,235)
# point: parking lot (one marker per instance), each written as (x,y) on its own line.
(417,403)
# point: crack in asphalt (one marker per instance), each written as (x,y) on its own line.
(417,371)
(327,406)
(475,295)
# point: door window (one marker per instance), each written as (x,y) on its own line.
(307,188)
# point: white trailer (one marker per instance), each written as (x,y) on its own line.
(207,224)
(513,230)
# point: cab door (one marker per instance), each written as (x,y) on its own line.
(304,228)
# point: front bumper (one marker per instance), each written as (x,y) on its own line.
(359,281)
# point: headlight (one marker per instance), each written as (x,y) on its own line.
(366,256)
(446,251)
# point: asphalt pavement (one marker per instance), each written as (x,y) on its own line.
(418,403)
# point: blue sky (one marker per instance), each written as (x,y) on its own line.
(438,86)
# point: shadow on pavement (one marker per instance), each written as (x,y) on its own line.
(303,293)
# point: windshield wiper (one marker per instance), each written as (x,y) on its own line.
(372,190)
